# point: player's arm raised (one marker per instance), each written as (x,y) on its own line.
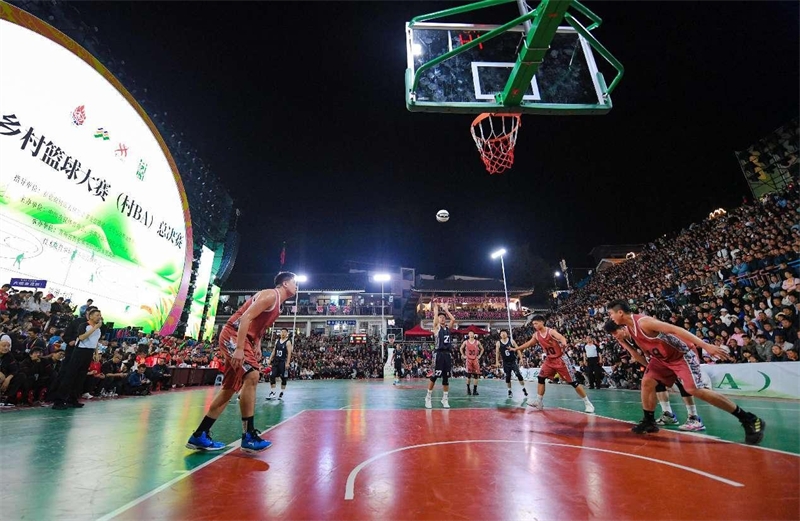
(452,323)
(264,301)
(652,325)
(435,309)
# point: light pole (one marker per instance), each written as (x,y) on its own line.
(500,253)
(555,276)
(382,277)
(298,279)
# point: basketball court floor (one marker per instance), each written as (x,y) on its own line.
(369,450)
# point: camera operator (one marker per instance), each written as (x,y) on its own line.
(76,368)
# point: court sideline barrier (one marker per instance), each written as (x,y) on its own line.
(765,379)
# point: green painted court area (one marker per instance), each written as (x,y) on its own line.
(102,459)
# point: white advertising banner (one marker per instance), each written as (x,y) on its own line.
(769,379)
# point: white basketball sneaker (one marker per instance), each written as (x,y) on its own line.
(445,403)
(428,404)
(589,408)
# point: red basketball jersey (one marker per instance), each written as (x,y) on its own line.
(259,324)
(550,345)
(666,347)
(472,349)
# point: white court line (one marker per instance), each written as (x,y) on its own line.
(685,433)
(233,446)
(349,491)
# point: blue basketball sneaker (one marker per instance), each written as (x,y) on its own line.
(252,442)
(204,442)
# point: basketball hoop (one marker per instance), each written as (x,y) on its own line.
(495,136)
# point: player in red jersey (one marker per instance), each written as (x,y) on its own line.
(240,346)
(553,344)
(672,357)
(694,422)
(472,351)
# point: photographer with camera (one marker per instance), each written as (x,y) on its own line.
(76,368)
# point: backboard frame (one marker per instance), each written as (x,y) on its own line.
(513,99)
(489,102)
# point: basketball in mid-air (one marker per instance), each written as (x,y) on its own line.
(442,216)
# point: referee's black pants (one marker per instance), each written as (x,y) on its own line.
(73,376)
(595,371)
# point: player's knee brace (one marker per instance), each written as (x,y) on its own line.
(272,378)
(433,379)
(541,380)
(683,391)
(574,385)
(508,377)
(661,388)
(284,380)
(445,380)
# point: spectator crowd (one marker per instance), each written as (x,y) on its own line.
(733,280)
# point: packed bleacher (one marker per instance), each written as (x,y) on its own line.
(35,338)
(731,280)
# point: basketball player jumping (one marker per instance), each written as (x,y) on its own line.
(443,362)
(673,357)
(279,361)
(553,344)
(503,348)
(240,345)
(472,351)
(694,422)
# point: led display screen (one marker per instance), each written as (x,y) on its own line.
(90,200)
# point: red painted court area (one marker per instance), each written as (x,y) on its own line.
(481,464)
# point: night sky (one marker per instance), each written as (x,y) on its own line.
(299,108)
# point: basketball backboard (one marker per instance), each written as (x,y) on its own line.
(567,80)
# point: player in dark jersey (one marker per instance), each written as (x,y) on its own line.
(399,360)
(673,357)
(279,361)
(443,364)
(240,345)
(694,422)
(504,348)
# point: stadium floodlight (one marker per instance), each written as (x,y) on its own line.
(500,253)
(382,277)
(297,280)
(557,274)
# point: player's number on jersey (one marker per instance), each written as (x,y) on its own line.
(550,351)
(279,352)
(447,339)
(437,373)
(508,353)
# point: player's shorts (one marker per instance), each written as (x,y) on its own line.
(278,369)
(508,369)
(473,367)
(686,370)
(443,365)
(233,378)
(562,366)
